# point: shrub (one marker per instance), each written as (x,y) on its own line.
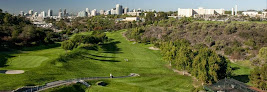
(230,29)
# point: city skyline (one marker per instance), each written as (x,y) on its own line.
(15,6)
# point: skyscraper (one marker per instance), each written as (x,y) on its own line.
(126,9)
(88,11)
(21,13)
(31,12)
(50,13)
(35,14)
(113,11)
(93,12)
(102,12)
(60,14)
(43,14)
(108,12)
(118,9)
(82,14)
(65,13)
(233,11)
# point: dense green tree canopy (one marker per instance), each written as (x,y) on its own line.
(258,77)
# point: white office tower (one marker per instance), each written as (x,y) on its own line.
(108,12)
(134,10)
(60,14)
(113,11)
(82,14)
(126,9)
(102,12)
(21,13)
(50,13)
(31,12)
(93,12)
(35,14)
(236,10)
(233,11)
(87,11)
(118,9)
(43,14)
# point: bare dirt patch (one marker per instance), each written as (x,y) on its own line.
(153,48)
(12,71)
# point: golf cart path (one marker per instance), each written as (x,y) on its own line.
(66,82)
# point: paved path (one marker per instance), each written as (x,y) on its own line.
(65,82)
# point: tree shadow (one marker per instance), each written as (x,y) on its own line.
(103,60)
(242,78)
(3,59)
(111,47)
(41,47)
(99,56)
(235,68)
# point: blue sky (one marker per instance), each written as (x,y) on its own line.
(14,6)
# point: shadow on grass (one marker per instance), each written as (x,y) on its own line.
(235,68)
(99,56)
(3,59)
(242,78)
(111,47)
(102,60)
(41,47)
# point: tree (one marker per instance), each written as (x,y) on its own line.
(68,45)
(209,67)
(150,17)
(258,77)
(161,16)
(184,58)
(263,53)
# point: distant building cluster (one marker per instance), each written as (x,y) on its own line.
(118,10)
(199,11)
(35,16)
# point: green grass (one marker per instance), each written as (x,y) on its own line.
(241,72)
(26,61)
(155,76)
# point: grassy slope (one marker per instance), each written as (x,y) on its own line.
(241,71)
(154,75)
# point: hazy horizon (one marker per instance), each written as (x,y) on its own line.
(15,6)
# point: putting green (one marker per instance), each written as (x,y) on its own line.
(26,61)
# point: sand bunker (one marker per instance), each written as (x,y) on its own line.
(153,48)
(11,71)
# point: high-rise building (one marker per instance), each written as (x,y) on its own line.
(118,9)
(50,13)
(35,14)
(113,11)
(43,14)
(65,13)
(82,14)
(233,11)
(93,12)
(107,12)
(87,11)
(126,9)
(21,13)
(60,10)
(31,12)
(60,14)
(102,12)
